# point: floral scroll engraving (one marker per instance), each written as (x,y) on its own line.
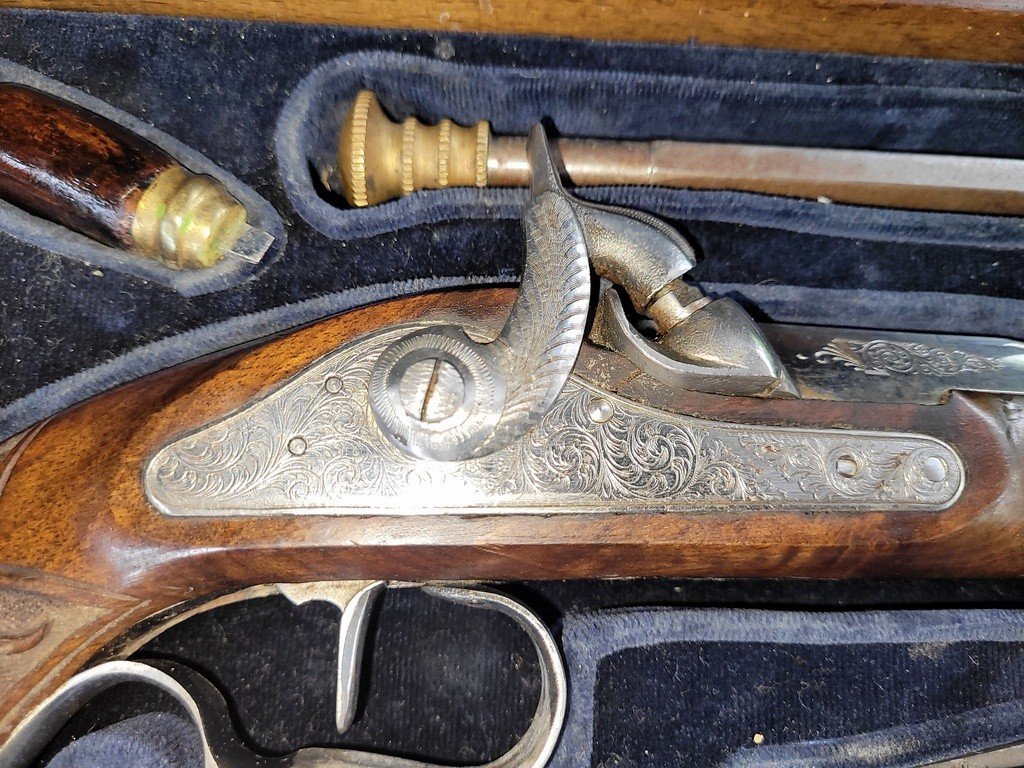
(313,447)
(883,357)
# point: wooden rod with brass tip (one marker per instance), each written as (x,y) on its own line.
(75,167)
(380,160)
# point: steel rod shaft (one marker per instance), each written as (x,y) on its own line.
(894,179)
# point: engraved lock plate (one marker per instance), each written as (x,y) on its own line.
(313,446)
(444,419)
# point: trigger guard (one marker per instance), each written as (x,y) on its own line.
(221,747)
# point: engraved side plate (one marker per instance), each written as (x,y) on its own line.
(312,446)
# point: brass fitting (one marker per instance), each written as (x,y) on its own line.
(186,220)
(381,160)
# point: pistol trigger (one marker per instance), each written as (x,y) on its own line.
(208,711)
(355,600)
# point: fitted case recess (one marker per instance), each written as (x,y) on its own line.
(269,123)
(52,237)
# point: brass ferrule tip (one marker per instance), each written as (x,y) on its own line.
(380,159)
(186,220)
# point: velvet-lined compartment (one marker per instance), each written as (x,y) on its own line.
(782,689)
(221,89)
(745,239)
(262,100)
(648,687)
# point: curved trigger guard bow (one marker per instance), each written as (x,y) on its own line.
(206,708)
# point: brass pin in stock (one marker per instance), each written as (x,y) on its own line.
(380,160)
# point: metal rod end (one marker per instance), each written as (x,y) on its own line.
(251,246)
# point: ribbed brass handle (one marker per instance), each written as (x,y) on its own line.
(381,160)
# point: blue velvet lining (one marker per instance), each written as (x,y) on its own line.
(155,740)
(262,101)
(843,690)
(706,688)
(609,103)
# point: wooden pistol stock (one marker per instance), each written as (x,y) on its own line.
(503,434)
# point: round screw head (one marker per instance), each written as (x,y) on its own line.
(432,390)
(601,411)
(847,466)
(934,469)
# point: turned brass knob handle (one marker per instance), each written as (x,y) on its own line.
(380,159)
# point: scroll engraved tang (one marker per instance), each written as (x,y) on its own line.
(885,357)
(313,447)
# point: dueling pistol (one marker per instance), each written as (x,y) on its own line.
(625,426)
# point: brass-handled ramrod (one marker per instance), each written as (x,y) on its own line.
(380,160)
